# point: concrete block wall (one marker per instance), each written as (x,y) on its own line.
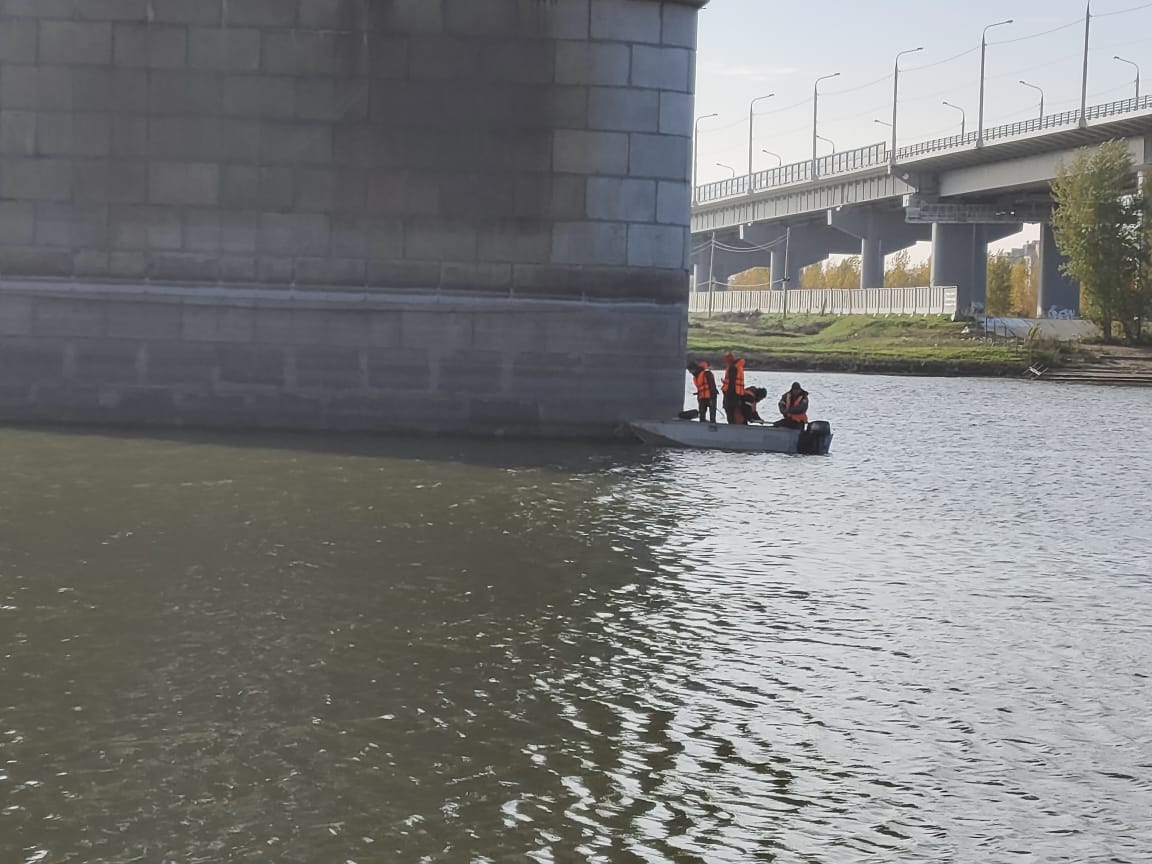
(500,150)
(332,142)
(268,358)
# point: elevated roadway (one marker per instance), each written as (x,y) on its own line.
(958,192)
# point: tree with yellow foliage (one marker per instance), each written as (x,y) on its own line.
(756,279)
(999,285)
(1024,289)
(813,277)
(901,273)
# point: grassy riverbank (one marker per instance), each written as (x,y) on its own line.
(901,346)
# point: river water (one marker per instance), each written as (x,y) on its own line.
(933,645)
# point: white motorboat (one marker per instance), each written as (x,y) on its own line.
(813,441)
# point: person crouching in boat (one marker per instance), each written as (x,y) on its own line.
(752,397)
(733,388)
(794,406)
(706,391)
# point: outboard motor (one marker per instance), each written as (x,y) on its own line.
(816,439)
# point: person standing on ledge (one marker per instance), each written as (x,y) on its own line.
(733,388)
(794,407)
(706,392)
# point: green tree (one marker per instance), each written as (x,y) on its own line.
(1143,301)
(1099,228)
(999,285)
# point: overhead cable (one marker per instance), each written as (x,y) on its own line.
(1122,11)
(1038,35)
(942,62)
(856,89)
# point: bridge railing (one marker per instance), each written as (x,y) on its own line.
(829,301)
(877,155)
(797,172)
(954,142)
(852,160)
(1124,106)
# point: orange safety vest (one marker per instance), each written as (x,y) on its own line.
(791,400)
(734,378)
(703,390)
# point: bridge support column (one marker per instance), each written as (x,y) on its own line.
(952,256)
(805,245)
(960,259)
(716,262)
(872,262)
(979,268)
(772,241)
(1056,291)
(880,232)
(779,263)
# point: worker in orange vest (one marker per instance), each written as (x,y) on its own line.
(794,406)
(733,389)
(706,392)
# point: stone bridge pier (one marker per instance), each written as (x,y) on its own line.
(466,215)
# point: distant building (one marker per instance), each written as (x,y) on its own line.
(1029,252)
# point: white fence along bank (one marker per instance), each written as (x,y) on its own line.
(829,301)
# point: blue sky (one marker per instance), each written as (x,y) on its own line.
(750,48)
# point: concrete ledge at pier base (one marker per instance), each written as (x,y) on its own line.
(226,358)
(166,408)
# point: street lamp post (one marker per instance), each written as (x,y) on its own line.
(1040,91)
(1084,75)
(983,53)
(1135,66)
(696,153)
(816,114)
(779,159)
(827,141)
(729,167)
(751,122)
(896,95)
(711,272)
(963,118)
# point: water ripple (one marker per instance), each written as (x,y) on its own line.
(932,646)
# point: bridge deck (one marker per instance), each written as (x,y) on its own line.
(871,173)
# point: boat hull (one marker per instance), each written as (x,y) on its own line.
(745,439)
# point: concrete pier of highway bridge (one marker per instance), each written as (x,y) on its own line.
(786,249)
(959,253)
(460,215)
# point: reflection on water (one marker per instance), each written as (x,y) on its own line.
(931,646)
